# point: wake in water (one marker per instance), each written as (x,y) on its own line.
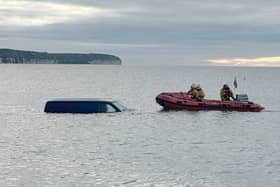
(271,111)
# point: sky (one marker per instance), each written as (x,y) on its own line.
(158,32)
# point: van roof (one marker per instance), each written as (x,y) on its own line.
(82,100)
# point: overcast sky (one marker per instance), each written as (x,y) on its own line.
(187,32)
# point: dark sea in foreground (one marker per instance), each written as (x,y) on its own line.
(142,147)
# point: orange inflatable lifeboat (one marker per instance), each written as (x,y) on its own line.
(182,101)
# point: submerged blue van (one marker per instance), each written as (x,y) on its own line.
(83,106)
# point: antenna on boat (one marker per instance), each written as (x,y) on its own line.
(235,86)
(235,82)
(239,97)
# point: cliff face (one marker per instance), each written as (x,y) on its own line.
(10,56)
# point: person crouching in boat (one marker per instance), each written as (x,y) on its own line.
(226,93)
(196,92)
(191,89)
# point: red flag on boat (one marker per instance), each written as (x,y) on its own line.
(235,82)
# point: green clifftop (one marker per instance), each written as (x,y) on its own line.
(10,56)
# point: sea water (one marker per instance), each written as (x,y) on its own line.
(142,147)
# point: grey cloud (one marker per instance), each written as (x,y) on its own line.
(179,11)
(161,29)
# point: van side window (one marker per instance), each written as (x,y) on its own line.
(110,108)
(105,107)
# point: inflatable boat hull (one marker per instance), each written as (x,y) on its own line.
(182,101)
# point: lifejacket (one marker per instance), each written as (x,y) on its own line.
(190,92)
(226,94)
(198,94)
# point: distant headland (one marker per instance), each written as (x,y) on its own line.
(11,56)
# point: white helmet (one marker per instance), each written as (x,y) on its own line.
(198,86)
(193,86)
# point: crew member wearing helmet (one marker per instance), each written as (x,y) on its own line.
(198,93)
(191,89)
(226,93)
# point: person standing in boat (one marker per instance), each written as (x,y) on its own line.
(226,93)
(196,92)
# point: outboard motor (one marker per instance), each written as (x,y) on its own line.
(242,97)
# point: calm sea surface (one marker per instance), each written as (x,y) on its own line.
(142,147)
